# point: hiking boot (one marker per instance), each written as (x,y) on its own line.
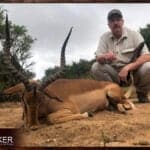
(142,97)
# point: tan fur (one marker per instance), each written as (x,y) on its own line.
(62,88)
(27,108)
(18,88)
(30,110)
(79,97)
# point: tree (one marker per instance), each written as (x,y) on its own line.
(49,72)
(74,71)
(78,70)
(146,34)
(21,43)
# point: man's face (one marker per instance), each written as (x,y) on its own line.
(116,26)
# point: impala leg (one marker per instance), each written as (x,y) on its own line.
(24,114)
(126,105)
(121,109)
(65,115)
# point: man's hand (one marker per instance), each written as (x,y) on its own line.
(124,72)
(107,57)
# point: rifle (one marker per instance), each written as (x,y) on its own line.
(136,54)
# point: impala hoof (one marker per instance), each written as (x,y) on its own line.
(90,114)
(121,109)
(34,127)
(85,115)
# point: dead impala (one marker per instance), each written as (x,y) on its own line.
(61,100)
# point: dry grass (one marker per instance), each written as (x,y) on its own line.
(105,128)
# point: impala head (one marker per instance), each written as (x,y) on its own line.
(31,102)
(33,93)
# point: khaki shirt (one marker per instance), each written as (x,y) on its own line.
(123,47)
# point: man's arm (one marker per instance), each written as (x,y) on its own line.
(145,57)
(133,66)
(140,61)
(107,57)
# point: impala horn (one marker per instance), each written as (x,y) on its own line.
(7,58)
(62,63)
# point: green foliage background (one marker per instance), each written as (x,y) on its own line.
(21,43)
(74,71)
(146,35)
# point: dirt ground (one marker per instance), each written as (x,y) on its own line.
(110,128)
